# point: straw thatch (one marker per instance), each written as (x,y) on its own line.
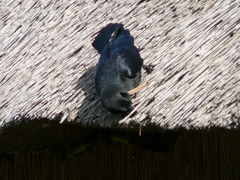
(47,61)
(46,77)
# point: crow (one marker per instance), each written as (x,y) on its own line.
(118,69)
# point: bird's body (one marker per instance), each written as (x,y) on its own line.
(118,69)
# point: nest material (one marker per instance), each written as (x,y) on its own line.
(47,61)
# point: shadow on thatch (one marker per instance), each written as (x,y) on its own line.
(86,83)
(82,82)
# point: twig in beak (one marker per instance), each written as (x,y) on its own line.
(140,87)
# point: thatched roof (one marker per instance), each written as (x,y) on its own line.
(47,61)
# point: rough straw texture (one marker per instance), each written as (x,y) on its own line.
(47,61)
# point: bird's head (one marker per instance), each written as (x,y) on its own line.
(116,99)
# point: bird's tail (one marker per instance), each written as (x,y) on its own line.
(107,35)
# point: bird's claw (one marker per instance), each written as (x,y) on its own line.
(148,68)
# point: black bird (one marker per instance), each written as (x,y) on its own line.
(118,69)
